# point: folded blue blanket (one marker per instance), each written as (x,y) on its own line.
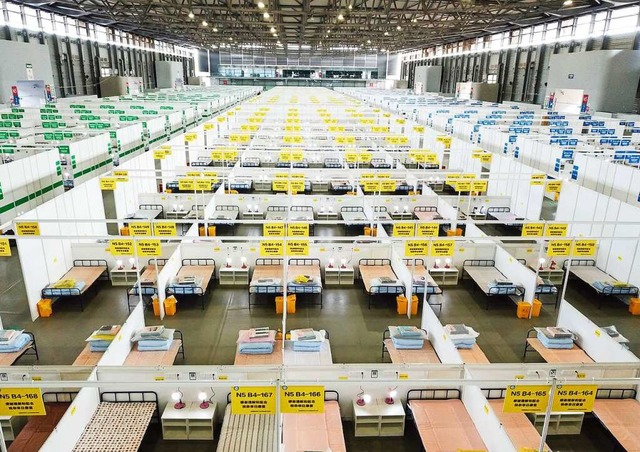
(15,345)
(99,343)
(301,346)
(155,347)
(563,343)
(266,348)
(98,348)
(147,343)
(406,344)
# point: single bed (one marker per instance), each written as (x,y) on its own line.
(484,273)
(308,358)
(277,213)
(267,278)
(303,214)
(225,215)
(247,432)
(147,212)
(28,349)
(87,357)
(425,355)
(544,287)
(619,411)
(379,163)
(442,420)
(331,162)
(353,216)
(315,431)
(148,286)
(381,214)
(600,281)
(504,215)
(38,428)
(119,422)
(379,279)
(519,429)
(423,281)
(340,186)
(308,267)
(272,359)
(157,358)
(427,213)
(85,273)
(554,355)
(203,269)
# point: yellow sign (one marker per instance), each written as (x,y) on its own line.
(149,248)
(293,139)
(273,229)
(27,228)
(280,185)
(165,228)
(186,185)
(463,186)
(302,399)
(538,179)
(221,119)
(556,230)
(159,154)
(239,138)
(418,129)
(479,185)
(253,400)
(108,183)
(397,139)
(532,229)
(364,157)
(140,228)
(526,399)
(400,121)
(584,247)
(371,185)
(121,175)
(559,248)
(428,229)
(335,128)
(486,157)
(121,247)
(5,249)
(380,129)
(554,186)
(21,402)
(271,248)
(249,127)
(345,139)
(388,185)
(298,248)
(576,398)
(209,126)
(189,137)
(203,184)
(444,140)
(404,229)
(298,230)
(442,248)
(416,248)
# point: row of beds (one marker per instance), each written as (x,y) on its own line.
(444,424)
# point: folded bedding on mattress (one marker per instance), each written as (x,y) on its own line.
(610,285)
(153,346)
(195,283)
(462,336)
(79,285)
(558,338)
(16,344)
(384,281)
(266,282)
(99,346)
(256,348)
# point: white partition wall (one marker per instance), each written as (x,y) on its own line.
(516,273)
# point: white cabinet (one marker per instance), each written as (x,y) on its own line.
(556,275)
(253,215)
(189,423)
(11,426)
(559,423)
(123,277)
(445,276)
(337,276)
(232,276)
(379,419)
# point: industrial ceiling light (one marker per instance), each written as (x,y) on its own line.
(567,3)
(414,20)
(386,33)
(340,17)
(368,41)
(204,23)
(260,5)
(215,29)
(266,15)
(272,30)
(191,15)
(350,6)
(399,28)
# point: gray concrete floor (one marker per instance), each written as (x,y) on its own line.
(355,334)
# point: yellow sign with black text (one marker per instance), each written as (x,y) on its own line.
(416,248)
(526,399)
(538,179)
(165,229)
(253,400)
(21,402)
(404,229)
(121,247)
(298,230)
(574,398)
(297,248)
(302,399)
(271,248)
(108,183)
(442,248)
(556,230)
(532,230)
(186,185)
(5,248)
(27,228)
(554,186)
(273,229)
(584,248)
(428,229)
(559,248)
(121,175)
(149,248)
(140,228)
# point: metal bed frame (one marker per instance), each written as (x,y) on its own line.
(147,291)
(517,291)
(311,289)
(382,289)
(416,288)
(50,292)
(266,290)
(193,290)
(545,289)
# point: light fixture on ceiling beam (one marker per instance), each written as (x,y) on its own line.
(272,30)
(191,15)
(368,41)
(567,3)
(386,33)
(204,23)
(350,6)
(215,29)
(260,5)
(399,28)
(414,20)
(266,15)
(340,17)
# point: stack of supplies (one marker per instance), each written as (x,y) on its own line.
(307,340)
(461,335)
(101,338)
(153,338)
(256,341)
(555,337)
(407,337)
(13,340)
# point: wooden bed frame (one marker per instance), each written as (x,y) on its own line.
(198,291)
(383,289)
(56,293)
(518,291)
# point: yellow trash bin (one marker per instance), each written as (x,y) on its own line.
(279,304)
(415,303)
(44,308)
(523,310)
(170,305)
(402,302)
(537,307)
